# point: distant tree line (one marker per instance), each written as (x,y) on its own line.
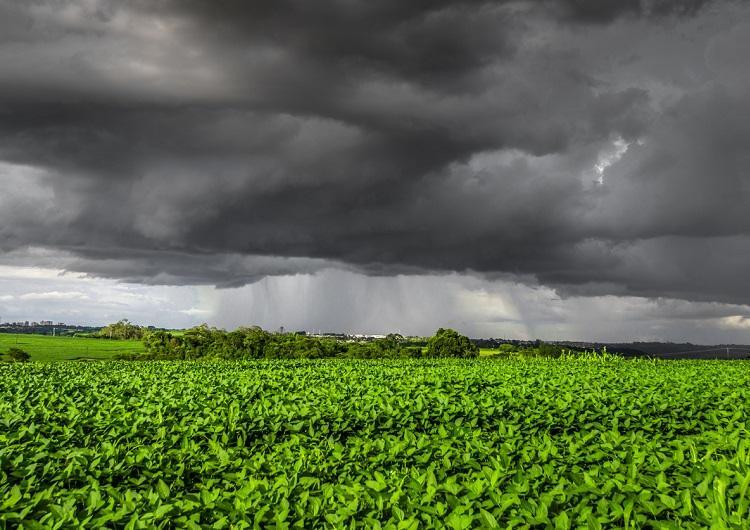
(204,342)
(539,349)
(55,329)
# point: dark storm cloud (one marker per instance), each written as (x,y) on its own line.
(603,11)
(220,142)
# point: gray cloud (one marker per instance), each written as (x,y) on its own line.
(593,147)
(594,11)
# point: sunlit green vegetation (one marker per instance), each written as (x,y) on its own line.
(388,443)
(48,348)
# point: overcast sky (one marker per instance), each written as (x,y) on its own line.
(573,169)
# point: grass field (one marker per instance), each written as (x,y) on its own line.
(397,444)
(47,348)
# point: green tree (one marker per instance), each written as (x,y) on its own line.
(549,350)
(122,330)
(162,345)
(18,355)
(450,343)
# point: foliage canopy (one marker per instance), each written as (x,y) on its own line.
(122,330)
(254,343)
(393,443)
(449,343)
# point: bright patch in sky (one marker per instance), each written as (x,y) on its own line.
(37,293)
(618,148)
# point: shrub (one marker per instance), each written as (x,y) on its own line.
(18,355)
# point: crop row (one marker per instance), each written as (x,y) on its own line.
(366,444)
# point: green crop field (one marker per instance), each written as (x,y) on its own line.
(482,443)
(47,348)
